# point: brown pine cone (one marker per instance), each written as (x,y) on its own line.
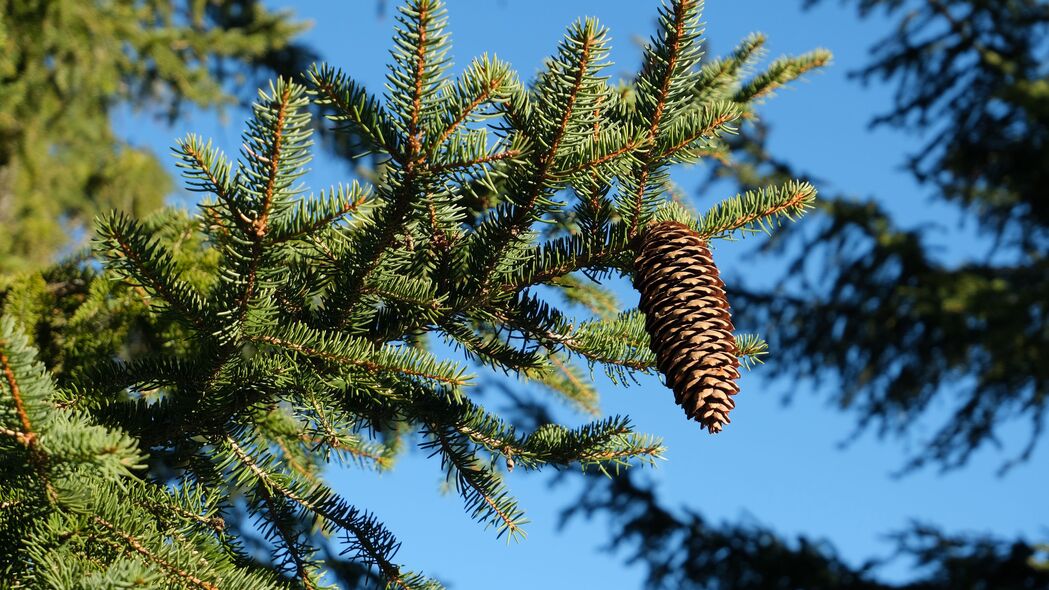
(687,318)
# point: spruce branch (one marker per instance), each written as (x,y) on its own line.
(780,73)
(565,378)
(355,109)
(171,569)
(374,543)
(718,76)
(26,436)
(757,210)
(481,489)
(297,327)
(293,549)
(310,216)
(750,348)
(144,261)
(206,169)
(345,350)
(669,60)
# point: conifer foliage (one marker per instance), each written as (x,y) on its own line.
(289,329)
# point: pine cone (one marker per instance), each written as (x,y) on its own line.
(687,318)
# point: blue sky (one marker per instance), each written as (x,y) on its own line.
(776,464)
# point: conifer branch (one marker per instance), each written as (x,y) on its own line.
(723,114)
(757,210)
(486,159)
(309,318)
(207,171)
(779,73)
(547,159)
(147,263)
(287,538)
(521,214)
(310,224)
(602,159)
(261,223)
(28,437)
(381,361)
(478,486)
(136,546)
(214,523)
(355,105)
(348,522)
(750,348)
(414,135)
(673,45)
(460,118)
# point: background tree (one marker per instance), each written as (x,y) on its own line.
(899,325)
(65,65)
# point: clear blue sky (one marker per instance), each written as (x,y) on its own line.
(777,465)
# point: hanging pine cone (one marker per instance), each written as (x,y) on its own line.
(687,318)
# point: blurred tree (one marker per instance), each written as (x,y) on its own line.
(681,550)
(869,301)
(66,64)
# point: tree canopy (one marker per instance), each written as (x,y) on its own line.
(65,65)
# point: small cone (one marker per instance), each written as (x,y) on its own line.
(687,318)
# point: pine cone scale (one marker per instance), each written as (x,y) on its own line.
(688,319)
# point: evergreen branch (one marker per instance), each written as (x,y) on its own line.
(138,547)
(489,350)
(312,215)
(149,264)
(585,42)
(596,443)
(417,74)
(670,61)
(602,159)
(490,86)
(479,487)
(28,437)
(750,348)
(598,300)
(215,524)
(19,436)
(16,395)
(713,117)
(554,336)
(260,224)
(485,159)
(414,136)
(556,259)
(718,76)
(207,170)
(287,538)
(419,294)
(334,440)
(564,378)
(757,210)
(349,519)
(274,141)
(355,106)
(680,8)
(347,350)
(781,72)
